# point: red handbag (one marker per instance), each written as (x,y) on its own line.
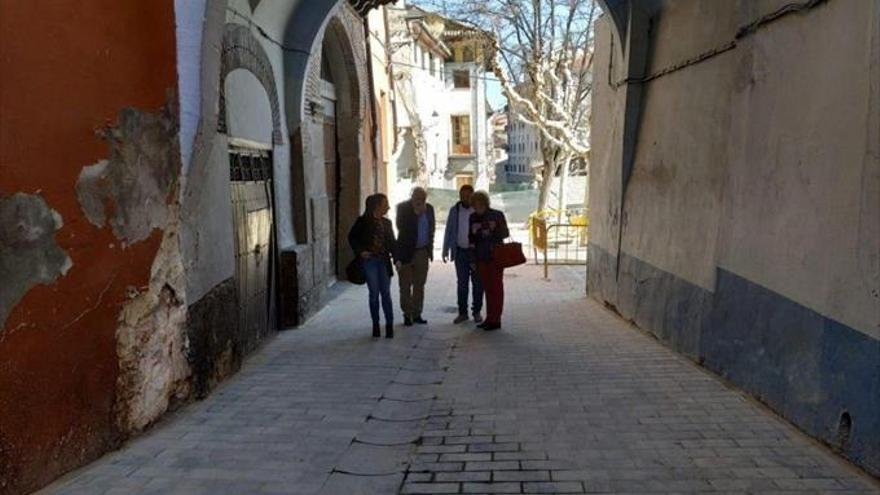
(508,255)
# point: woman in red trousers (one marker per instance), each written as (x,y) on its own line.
(488,229)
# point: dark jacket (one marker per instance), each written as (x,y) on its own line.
(487,231)
(361,235)
(408,231)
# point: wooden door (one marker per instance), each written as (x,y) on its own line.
(252,209)
(331,170)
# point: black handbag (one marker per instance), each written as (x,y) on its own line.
(355,272)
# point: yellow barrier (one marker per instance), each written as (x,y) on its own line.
(564,233)
(581,221)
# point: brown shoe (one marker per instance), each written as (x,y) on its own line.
(460,319)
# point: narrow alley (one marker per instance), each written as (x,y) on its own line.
(567,398)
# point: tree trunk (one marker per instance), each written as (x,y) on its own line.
(562,179)
(547,174)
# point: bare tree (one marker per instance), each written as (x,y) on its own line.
(543,55)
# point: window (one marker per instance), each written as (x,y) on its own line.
(431,63)
(461,135)
(461,78)
(467,54)
(461,180)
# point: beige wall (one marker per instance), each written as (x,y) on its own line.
(751,218)
(801,208)
(382,94)
(761,160)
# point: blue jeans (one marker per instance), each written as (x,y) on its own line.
(379,283)
(464,272)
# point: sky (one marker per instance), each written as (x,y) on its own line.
(494,94)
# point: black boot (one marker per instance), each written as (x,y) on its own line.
(407,321)
(389,330)
(376,331)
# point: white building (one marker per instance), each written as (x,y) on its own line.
(523,153)
(498,150)
(440,74)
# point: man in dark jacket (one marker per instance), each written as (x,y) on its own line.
(415,251)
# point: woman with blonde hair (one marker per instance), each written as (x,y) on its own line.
(488,229)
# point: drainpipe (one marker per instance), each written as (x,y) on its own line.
(373,113)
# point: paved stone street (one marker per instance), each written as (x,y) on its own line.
(567,398)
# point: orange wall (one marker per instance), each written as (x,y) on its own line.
(66,68)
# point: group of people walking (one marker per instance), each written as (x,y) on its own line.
(473,230)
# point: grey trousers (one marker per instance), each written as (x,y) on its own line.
(413,277)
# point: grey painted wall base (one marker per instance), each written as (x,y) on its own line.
(302,287)
(808,368)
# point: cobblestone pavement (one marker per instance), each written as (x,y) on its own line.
(567,398)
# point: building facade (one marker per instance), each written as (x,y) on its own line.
(498,156)
(443,114)
(141,262)
(524,157)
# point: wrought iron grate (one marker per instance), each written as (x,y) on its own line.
(247,165)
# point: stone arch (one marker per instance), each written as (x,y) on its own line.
(618,10)
(338,46)
(242,51)
(342,64)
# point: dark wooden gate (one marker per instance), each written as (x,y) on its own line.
(252,210)
(331,168)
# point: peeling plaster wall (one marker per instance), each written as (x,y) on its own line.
(117,325)
(744,238)
(134,191)
(29,254)
(59,360)
(131,189)
(152,340)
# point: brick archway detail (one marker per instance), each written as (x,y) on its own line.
(242,51)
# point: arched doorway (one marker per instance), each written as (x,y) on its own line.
(341,142)
(251,182)
(331,158)
(249,117)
